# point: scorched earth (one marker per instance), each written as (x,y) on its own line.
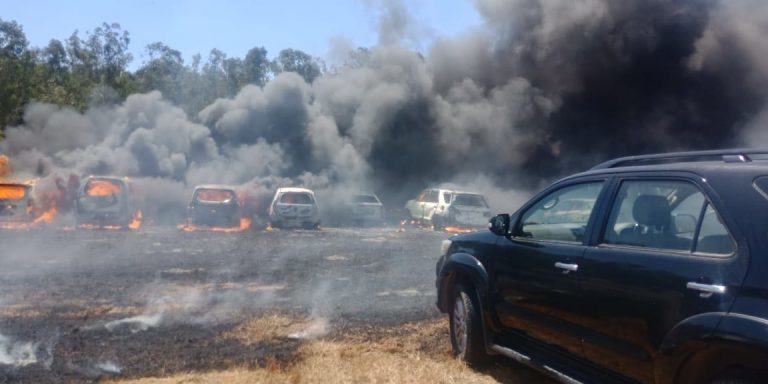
(165,305)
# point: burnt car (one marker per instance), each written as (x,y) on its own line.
(365,209)
(294,207)
(105,202)
(465,210)
(648,269)
(17,205)
(214,206)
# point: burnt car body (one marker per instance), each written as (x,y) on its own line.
(294,208)
(466,210)
(365,209)
(648,269)
(16,203)
(104,201)
(444,207)
(214,206)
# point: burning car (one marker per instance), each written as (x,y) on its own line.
(465,210)
(214,206)
(365,209)
(106,202)
(294,207)
(443,208)
(429,205)
(17,205)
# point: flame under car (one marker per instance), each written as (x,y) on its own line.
(214,206)
(16,204)
(105,202)
(466,211)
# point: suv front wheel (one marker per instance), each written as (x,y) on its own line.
(466,327)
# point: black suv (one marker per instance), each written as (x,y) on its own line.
(650,269)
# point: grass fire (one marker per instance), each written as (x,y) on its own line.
(172,212)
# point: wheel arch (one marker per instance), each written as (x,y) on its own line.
(706,345)
(465,269)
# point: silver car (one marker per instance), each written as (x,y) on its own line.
(294,208)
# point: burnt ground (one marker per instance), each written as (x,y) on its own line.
(81,306)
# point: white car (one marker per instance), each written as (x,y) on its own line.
(365,209)
(294,207)
(429,205)
(444,207)
(466,209)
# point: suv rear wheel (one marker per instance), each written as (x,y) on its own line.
(466,327)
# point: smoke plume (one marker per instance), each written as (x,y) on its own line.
(541,89)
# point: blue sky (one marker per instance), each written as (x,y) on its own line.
(233,26)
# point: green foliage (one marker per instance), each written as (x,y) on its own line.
(291,60)
(93,69)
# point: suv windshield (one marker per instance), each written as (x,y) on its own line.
(214,195)
(102,188)
(369,199)
(13,191)
(296,198)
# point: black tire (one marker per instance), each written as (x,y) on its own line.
(466,327)
(437,223)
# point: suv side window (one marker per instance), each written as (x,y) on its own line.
(432,196)
(447,197)
(562,215)
(713,236)
(665,214)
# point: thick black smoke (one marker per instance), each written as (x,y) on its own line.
(542,89)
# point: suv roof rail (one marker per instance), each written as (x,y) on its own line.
(726,155)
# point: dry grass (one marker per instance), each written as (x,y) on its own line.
(410,353)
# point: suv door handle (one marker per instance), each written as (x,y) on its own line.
(706,289)
(567,267)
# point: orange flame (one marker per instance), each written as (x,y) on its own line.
(102,188)
(245,223)
(136,223)
(459,229)
(12,191)
(5,166)
(214,195)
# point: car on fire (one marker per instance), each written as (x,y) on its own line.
(365,209)
(17,204)
(294,207)
(466,210)
(647,269)
(214,206)
(105,201)
(443,207)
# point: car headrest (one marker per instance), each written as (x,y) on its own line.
(652,211)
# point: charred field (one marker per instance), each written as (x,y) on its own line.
(88,306)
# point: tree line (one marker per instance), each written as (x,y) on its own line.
(92,69)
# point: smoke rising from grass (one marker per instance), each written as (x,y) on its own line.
(17,353)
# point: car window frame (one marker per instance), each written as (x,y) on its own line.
(594,215)
(599,233)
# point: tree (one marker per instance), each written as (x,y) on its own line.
(294,60)
(15,60)
(256,66)
(164,71)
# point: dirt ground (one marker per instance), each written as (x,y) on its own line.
(161,305)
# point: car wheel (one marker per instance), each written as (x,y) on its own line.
(437,223)
(466,327)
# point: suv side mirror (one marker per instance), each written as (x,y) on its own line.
(500,224)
